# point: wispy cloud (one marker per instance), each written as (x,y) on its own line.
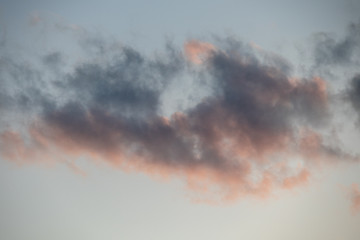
(331,51)
(353,93)
(355,198)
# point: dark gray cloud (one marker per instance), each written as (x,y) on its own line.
(331,51)
(53,60)
(252,101)
(111,110)
(353,93)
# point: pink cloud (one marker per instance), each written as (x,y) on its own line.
(355,198)
(197,51)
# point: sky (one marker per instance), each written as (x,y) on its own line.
(180,120)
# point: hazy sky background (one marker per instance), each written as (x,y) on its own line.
(96,200)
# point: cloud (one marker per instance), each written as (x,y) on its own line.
(355,198)
(34,19)
(53,21)
(239,140)
(197,51)
(329,51)
(353,93)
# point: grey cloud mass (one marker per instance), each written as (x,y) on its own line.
(353,93)
(257,115)
(331,51)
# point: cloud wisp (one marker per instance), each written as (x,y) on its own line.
(353,93)
(355,198)
(330,51)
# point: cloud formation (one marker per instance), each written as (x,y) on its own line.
(353,93)
(241,139)
(197,51)
(330,51)
(355,198)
